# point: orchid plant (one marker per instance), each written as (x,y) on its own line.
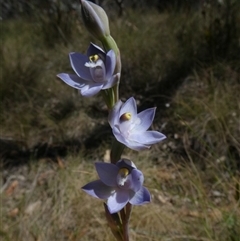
(120,182)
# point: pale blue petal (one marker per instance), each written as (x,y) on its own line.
(141,197)
(129,106)
(147,137)
(118,200)
(137,146)
(110,64)
(98,189)
(111,82)
(107,173)
(137,179)
(118,135)
(78,64)
(131,144)
(113,116)
(91,89)
(146,118)
(72,80)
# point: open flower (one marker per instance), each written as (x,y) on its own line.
(94,71)
(130,128)
(119,183)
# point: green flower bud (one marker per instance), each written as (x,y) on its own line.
(95,19)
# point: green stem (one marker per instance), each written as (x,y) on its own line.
(116,92)
(128,211)
(124,225)
(114,223)
(125,216)
(109,97)
(116,151)
(109,43)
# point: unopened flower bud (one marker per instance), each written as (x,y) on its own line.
(95,19)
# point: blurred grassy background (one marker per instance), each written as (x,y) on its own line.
(182,59)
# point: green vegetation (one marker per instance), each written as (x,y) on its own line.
(184,62)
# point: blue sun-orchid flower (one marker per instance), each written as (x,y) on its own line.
(94,71)
(119,184)
(130,128)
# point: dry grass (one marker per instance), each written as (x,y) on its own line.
(44,201)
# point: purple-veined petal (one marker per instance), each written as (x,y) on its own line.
(141,197)
(94,49)
(110,63)
(137,179)
(147,137)
(146,118)
(129,106)
(98,189)
(107,173)
(118,200)
(72,80)
(78,64)
(91,89)
(113,116)
(114,79)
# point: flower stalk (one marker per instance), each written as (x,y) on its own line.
(116,151)
(120,183)
(125,216)
(114,223)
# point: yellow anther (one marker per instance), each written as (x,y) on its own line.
(94,58)
(123,172)
(126,116)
